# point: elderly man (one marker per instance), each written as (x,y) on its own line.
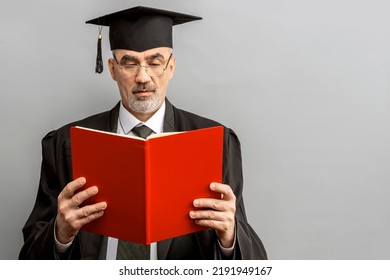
(142,66)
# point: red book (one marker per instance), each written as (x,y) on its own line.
(149,184)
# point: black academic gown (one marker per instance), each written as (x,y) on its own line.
(56,172)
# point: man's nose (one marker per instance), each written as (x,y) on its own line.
(142,75)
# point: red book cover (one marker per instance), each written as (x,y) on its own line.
(149,184)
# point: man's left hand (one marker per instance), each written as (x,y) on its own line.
(217,214)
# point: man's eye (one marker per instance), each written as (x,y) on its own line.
(154,65)
(130,65)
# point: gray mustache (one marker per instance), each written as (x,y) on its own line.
(143,87)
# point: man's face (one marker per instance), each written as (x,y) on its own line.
(142,94)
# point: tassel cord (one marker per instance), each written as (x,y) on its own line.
(99,60)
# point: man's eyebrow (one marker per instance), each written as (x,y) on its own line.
(128,57)
(155,56)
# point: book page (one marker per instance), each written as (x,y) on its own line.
(132,136)
(163,134)
(112,133)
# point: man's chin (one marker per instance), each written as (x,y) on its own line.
(144,107)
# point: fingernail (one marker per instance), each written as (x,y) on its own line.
(94,190)
(196,203)
(212,186)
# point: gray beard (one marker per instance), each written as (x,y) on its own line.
(144,104)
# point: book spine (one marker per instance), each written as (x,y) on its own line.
(147,192)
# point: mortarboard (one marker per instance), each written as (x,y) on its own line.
(139,29)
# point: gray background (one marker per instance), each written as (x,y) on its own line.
(305,84)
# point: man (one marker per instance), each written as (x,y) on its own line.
(142,65)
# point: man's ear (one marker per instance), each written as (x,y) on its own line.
(172,66)
(111,68)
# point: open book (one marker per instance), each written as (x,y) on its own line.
(149,184)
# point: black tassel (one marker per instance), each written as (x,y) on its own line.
(99,60)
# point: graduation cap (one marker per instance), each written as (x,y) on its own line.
(139,29)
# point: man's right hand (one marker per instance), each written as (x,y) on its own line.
(70,216)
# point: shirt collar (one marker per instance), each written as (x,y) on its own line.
(127,121)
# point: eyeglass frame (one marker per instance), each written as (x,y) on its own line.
(146,67)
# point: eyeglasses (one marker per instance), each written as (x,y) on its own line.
(131,69)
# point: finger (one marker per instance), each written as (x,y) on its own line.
(77,224)
(208,215)
(91,218)
(217,225)
(90,213)
(225,191)
(77,218)
(90,210)
(72,187)
(216,204)
(80,197)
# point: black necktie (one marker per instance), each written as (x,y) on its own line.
(128,250)
(142,131)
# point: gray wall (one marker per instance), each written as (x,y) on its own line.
(305,84)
